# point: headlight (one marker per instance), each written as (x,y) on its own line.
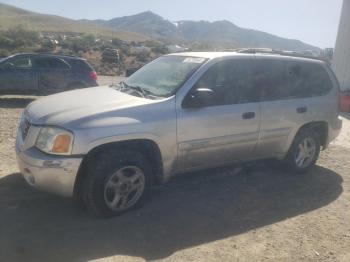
(53,140)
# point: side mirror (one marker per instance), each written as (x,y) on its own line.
(199,97)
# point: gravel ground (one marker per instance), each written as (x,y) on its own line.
(254,213)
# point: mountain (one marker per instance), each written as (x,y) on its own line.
(146,23)
(11,16)
(226,32)
(221,33)
(142,26)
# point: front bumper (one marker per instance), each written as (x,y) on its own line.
(48,173)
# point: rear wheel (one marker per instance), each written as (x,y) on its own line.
(115,182)
(304,151)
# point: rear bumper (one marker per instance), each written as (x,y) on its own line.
(55,175)
(334,130)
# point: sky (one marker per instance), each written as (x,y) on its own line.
(312,21)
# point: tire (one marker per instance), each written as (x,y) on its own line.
(116,181)
(303,152)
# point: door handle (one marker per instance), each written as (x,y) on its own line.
(248,115)
(302,110)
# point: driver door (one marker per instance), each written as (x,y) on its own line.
(17,76)
(225,127)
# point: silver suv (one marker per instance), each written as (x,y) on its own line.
(181,112)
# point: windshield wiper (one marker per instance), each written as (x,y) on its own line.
(143,92)
(124,86)
(116,86)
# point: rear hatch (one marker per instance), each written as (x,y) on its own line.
(82,67)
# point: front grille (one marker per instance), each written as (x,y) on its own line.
(25,125)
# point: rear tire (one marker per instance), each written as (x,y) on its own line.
(116,181)
(303,152)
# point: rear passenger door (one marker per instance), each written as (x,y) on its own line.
(293,93)
(52,73)
(225,128)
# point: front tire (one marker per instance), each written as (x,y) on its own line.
(303,152)
(116,182)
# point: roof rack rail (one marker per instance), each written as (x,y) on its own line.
(278,52)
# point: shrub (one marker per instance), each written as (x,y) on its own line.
(4,53)
(142,57)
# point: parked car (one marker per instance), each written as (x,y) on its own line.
(179,113)
(44,74)
(131,70)
(110,55)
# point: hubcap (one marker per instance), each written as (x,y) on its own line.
(305,152)
(124,188)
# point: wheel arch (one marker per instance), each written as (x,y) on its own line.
(147,147)
(320,128)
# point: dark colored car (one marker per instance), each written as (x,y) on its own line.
(44,74)
(110,55)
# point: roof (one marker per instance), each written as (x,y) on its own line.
(47,55)
(209,55)
(256,53)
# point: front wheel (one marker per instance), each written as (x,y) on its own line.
(304,151)
(115,182)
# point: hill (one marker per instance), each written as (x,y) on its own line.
(219,33)
(11,16)
(146,23)
(142,26)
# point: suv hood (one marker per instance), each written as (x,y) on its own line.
(63,108)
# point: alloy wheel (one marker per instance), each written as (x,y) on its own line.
(124,188)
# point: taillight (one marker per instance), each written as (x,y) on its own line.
(345,102)
(93,75)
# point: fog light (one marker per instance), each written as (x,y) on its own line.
(29,178)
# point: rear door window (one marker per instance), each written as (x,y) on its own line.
(272,79)
(50,63)
(80,65)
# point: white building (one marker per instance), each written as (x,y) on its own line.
(341,57)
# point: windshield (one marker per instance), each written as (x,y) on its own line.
(165,75)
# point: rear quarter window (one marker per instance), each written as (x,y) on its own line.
(80,66)
(308,80)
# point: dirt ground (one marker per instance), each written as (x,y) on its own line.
(254,213)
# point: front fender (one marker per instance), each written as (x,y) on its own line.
(166,145)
